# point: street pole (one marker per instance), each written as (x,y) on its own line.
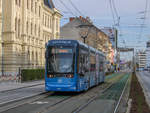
(133,62)
(84,37)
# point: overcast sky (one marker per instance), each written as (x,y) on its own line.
(129,11)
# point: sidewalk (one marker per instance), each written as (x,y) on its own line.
(7,86)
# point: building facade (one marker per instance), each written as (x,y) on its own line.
(79,27)
(27,26)
(148,55)
(113,37)
(112,34)
(141,60)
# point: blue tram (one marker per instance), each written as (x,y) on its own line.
(72,66)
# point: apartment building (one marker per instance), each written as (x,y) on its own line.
(141,59)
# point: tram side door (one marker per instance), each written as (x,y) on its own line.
(97,69)
(83,67)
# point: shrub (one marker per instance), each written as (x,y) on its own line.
(32,74)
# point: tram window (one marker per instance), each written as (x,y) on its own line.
(93,62)
(83,62)
(101,66)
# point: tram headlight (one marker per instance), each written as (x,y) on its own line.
(50,76)
(69,76)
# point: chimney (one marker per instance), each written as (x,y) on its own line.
(80,17)
(71,19)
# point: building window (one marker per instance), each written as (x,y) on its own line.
(19,28)
(56,24)
(31,28)
(16,2)
(39,11)
(35,29)
(31,5)
(45,20)
(19,2)
(27,4)
(16,24)
(35,7)
(27,27)
(50,22)
(36,58)
(39,32)
(33,57)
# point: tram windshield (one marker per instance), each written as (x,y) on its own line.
(60,60)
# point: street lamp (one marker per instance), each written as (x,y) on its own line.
(85,26)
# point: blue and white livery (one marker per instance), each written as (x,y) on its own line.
(72,66)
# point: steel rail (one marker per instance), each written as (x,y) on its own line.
(90,101)
(56,103)
(72,97)
(21,98)
(63,100)
(37,97)
(24,87)
(117,106)
(82,106)
(17,103)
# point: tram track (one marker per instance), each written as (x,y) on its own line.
(73,99)
(15,95)
(77,110)
(55,101)
(89,98)
(82,107)
(41,98)
(121,97)
(14,104)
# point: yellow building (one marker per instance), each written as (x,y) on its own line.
(27,26)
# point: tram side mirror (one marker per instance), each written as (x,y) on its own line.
(81,74)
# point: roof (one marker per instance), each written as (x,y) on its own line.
(49,3)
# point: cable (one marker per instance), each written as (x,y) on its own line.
(144,18)
(69,10)
(111,8)
(76,8)
(115,10)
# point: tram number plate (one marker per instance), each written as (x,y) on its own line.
(59,81)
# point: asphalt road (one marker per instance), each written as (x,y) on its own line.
(9,96)
(144,78)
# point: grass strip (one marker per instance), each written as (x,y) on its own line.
(114,92)
(139,104)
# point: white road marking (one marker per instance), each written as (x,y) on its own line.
(39,102)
